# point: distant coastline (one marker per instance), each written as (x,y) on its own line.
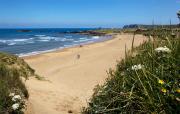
(136,26)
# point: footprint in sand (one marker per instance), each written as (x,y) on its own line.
(78,56)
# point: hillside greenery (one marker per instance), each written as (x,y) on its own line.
(13,92)
(147,81)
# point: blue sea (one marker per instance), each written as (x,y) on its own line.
(37,41)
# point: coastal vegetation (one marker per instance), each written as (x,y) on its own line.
(146,81)
(13,93)
(136,26)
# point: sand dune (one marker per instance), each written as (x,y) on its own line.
(72,74)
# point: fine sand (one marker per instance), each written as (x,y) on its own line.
(71,74)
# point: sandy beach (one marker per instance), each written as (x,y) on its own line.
(71,74)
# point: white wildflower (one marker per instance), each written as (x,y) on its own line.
(137,67)
(15,106)
(11,94)
(16,97)
(105,86)
(163,49)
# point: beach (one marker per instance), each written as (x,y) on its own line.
(71,74)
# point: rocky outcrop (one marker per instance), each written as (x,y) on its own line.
(24,30)
(89,32)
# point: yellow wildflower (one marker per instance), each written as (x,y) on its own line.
(163,90)
(161,81)
(178,90)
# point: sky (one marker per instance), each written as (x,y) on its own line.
(85,13)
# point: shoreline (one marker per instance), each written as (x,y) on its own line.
(73,46)
(72,74)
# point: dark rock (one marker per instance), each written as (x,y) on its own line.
(89,32)
(23,30)
(70,111)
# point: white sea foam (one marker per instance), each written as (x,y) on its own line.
(68,36)
(47,38)
(45,51)
(44,40)
(75,42)
(16,41)
(63,39)
(83,38)
(40,38)
(39,35)
(60,39)
(3,41)
(90,42)
(19,40)
(68,45)
(37,52)
(10,44)
(96,37)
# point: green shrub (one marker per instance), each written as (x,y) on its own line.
(12,69)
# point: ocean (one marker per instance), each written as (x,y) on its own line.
(35,41)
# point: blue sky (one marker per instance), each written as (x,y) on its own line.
(85,13)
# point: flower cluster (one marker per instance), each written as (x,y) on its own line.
(168,89)
(15,106)
(12,94)
(17,101)
(16,98)
(163,49)
(162,83)
(137,67)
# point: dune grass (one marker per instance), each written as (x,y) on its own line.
(147,81)
(13,92)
